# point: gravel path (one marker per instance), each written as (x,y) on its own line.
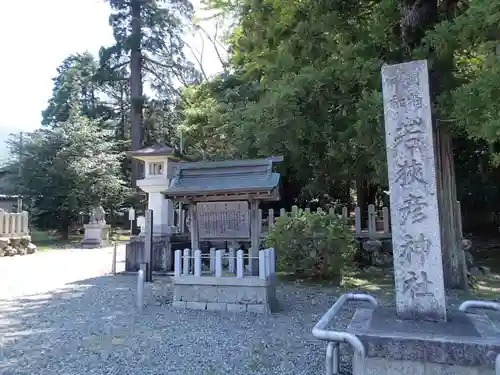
(82,321)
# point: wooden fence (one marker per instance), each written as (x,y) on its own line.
(190,263)
(14,224)
(377,226)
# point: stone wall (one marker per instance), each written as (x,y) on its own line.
(232,294)
(10,246)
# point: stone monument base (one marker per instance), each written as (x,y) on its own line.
(161,254)
(465,345)
(231,294)
(95,236)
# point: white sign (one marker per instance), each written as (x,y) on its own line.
(131,214)
(141,223)
(223,220)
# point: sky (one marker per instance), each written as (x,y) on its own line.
(41,37)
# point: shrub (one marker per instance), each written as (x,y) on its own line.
(316,245)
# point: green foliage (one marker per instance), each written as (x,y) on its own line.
(74,83)
(319,103)
(303,81)
(69,169)
(315,245)
(97,111)
(160,42)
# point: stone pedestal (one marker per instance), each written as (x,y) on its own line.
(467,344)
(231,294)
(161,254)
(163,212)
(96,235)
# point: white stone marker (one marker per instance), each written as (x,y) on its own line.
(178,263)
(218,263)
(416,240)
(231,259)
(273,260)
(212,259)
(197,263)
(185,262)
(140,289)
(262,264)
(239,264)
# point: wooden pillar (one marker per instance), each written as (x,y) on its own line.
(255,237)
(193,227)
(181,219)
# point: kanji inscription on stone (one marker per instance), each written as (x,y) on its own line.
(229,220)
(418,267)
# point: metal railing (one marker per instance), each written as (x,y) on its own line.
(336,337)
(488,305)
(485,305)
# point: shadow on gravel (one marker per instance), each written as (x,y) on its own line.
(92,327)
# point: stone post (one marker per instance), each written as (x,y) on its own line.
(253,253)
(416,239)
(148,246)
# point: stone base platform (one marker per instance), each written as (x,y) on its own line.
(96,235)
(465,345)
(232,294)
(94,244)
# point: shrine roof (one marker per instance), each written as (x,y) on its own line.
(155,151)
(232,177)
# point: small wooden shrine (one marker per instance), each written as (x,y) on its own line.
(223,198)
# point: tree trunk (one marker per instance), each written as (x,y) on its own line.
(361,200)
(348,195)
(454,266)
(122,113)
(64,226)
(136,85)
(371,194)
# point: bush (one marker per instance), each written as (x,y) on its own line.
(316,245)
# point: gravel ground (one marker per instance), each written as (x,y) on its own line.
(91,327)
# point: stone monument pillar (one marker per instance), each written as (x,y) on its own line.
(420,336)
(416,239)
(96,231)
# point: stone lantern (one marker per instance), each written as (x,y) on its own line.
(160,162)
(159,166)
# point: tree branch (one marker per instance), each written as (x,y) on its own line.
(165,83)
(199,60)
(216,44)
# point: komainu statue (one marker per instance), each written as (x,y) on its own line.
(98,215)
